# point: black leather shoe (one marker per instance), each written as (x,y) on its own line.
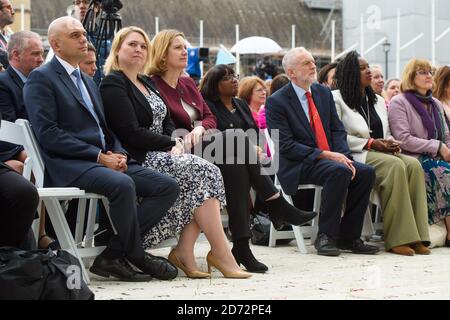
(158,267)
(282,213)
(357,246)
(117,268)
(326,246)
(447,243)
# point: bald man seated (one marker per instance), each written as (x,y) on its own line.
(79,150)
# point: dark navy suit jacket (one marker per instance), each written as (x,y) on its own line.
(12,107)
(297,143)
(65,129)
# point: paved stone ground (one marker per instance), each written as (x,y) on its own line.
(295,276)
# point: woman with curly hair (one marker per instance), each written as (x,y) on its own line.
(399,178)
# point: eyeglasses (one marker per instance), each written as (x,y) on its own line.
(230,77)
(425,73)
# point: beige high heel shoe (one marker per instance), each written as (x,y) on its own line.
(193,274)
(212,262)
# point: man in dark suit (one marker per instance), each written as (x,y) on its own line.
(312,149)
(19,200)
(25,53)
(79,150)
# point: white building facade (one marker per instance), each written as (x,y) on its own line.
(378,19)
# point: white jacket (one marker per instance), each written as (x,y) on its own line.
(357,129)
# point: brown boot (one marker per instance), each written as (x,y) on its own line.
(419,248)
(403,250)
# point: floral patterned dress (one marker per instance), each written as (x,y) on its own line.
(437,179)
(198,179)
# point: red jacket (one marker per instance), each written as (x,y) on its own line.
(187,91)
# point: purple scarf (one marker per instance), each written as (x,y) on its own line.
(417,101)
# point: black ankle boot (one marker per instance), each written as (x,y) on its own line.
(447,242)
(243,255)
(281,212)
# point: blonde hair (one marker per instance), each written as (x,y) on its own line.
(159,50)
(409,73)
(112,62)
(246,87)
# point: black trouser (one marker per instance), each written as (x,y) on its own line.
(335,178)
(157,192)
(239,178)
(19,200)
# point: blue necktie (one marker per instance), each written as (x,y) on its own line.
(88,102)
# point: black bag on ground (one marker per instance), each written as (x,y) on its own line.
(41,275)
(260,230)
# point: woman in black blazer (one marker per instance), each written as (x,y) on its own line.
(139,117)
(219,89)
(238,116)
(131,122)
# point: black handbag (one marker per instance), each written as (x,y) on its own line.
(260,230)
(41,275)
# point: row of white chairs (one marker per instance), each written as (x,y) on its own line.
(82,245)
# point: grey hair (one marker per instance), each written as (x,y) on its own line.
(289,58)
(377,66)
(386,86)
(19,41)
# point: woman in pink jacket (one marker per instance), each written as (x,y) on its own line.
(417,120)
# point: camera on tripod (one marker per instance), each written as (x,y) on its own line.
(109,6)
(102,22)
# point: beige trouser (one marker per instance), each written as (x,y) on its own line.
(400,182)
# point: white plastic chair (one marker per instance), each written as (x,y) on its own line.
(20,133)
(299,233)
(370,228)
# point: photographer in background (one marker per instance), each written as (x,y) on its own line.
(101,21)
(265,69)
(82,8)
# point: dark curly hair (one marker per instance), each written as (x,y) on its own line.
(348,82)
